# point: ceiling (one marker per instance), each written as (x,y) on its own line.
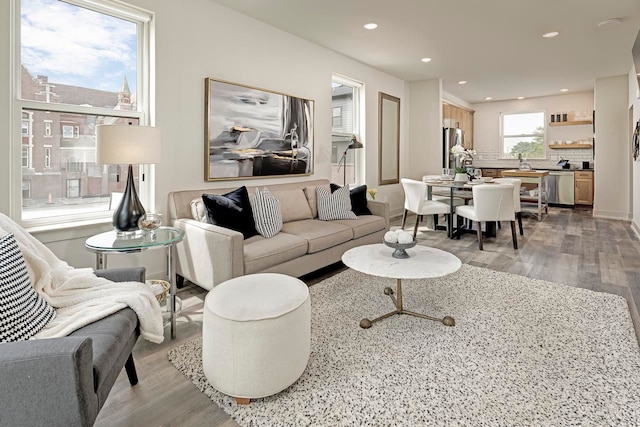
(495,45)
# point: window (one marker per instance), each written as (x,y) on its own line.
(337,117)
(73,78)
(47,157)
(25,156)
(346,101)
(523,135)
(67,131)
(25,128)
(26,190)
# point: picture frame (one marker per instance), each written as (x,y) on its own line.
(256,133)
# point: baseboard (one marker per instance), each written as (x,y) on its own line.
(635,228)
(598,213)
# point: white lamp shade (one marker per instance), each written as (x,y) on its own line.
(126,144)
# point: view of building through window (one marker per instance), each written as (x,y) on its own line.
(345,124)
(523,135)
(78,70)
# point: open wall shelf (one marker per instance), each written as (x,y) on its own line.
(572,123)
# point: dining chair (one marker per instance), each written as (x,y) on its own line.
(491,202)
(516,198)
(415,200)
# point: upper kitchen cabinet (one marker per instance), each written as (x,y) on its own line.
(459,117)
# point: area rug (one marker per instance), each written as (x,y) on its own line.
(524,352)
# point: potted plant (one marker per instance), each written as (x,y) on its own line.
(462,153)
(461,175)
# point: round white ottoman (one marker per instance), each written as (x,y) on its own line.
(256,335)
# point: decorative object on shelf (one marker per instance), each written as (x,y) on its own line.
(251,132)
(372,192)
(354,144)
(126,144)
(400,241)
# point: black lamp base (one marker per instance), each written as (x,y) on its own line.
(126,216)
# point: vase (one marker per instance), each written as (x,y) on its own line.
(461,177)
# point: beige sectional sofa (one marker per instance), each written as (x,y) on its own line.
(210,254)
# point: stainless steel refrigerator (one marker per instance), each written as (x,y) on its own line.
(451,137)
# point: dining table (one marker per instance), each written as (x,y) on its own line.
(461,190)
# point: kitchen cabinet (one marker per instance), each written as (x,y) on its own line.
(492,173)
(584,188)
(459,117)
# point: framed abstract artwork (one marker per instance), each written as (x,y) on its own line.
(252,133)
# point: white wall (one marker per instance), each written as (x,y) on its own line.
(486,128)
(425,129)
(197,39)
(634,102)
(612,148)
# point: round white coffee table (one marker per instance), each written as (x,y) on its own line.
(423,263)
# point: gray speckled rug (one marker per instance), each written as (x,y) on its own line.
(523,352)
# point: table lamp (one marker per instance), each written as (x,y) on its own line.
(125,144)
(353,144)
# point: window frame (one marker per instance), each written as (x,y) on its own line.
(501,154)
(47,156)
(357,126)
(144,113)
(47,129)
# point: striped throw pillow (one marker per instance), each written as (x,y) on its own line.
(334,206)
(266,213)
(24,311)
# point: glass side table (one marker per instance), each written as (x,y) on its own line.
(108,243)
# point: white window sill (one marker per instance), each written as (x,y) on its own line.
(70,230)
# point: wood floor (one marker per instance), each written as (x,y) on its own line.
(569,246)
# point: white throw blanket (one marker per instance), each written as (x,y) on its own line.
(78,295)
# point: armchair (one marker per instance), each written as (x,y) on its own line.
(66,381)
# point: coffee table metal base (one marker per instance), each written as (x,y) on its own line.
(397,301)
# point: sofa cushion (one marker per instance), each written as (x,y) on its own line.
(358,196)
(312,198)
(336,205)
(231,210)
(266,213)
(261,253)
(23,312)
(320,234)
(294,204)
(198,212)
(365,225)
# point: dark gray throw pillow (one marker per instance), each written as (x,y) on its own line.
(232,211)
(358,199)
(23,312)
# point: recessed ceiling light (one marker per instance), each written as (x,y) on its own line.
(488,98)
(610,22)
(521,97)
(462,82)
(550,34)
(426,60)
(564,90)
(371,26)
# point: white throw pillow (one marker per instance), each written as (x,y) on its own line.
(266,213)
(334,206)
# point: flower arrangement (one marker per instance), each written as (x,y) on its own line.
(462,153)
(372,192)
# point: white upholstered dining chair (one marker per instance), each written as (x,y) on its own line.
(516,198)
(491,202)
(415,200)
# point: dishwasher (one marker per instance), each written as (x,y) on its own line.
(561,188)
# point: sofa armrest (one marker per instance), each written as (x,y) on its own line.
(380,209)
(47,382)
(209,254)
(132,274)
